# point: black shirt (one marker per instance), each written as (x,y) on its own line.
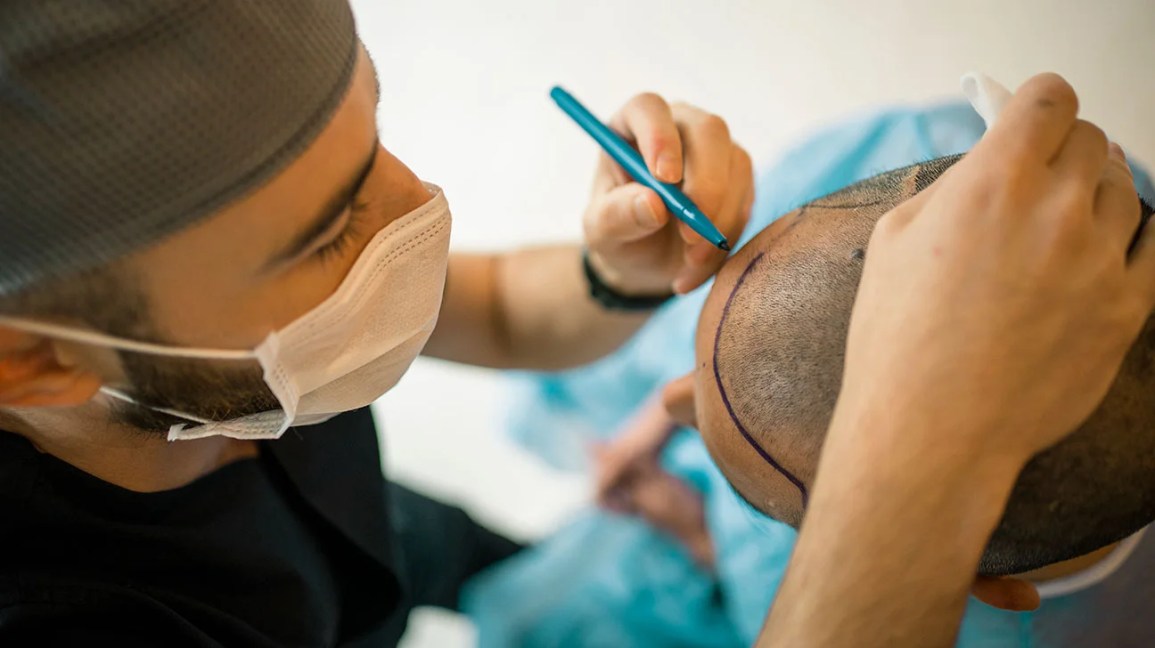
(290,549)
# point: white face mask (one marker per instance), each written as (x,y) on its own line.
(343,354)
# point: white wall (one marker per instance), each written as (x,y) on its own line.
(465,105)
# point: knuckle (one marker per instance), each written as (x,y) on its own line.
(742,160)
(714,126)
(646,100)
(1068,218)
(685,112)
(708,195)
(595,221)
(1074,198)
(1119,174)
(1092,133)
(1112,181)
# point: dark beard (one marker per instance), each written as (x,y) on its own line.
(215,390)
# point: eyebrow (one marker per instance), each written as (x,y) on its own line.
(332,210)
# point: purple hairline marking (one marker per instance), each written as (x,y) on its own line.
(726,399)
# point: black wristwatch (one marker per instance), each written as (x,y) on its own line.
(610,299)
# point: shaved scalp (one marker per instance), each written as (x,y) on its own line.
(778,356)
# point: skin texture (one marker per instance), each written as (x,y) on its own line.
(774,360)
(774,469)
(773,479)
(994,311)
(992,316)
(208,286)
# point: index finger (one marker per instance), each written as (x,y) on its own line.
(1036,121)
(709,156)
(648,121)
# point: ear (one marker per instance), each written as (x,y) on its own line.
(31,374)
(1011,594)
(678,399)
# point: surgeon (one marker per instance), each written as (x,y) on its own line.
(209,267)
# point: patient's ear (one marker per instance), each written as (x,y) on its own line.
(31,373)
(1006,593)
(678,399)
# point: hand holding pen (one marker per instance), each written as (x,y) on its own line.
(636,244)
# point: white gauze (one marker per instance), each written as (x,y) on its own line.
(987,96)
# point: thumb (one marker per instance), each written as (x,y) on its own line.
(624,214)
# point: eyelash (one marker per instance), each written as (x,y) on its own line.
(338,246)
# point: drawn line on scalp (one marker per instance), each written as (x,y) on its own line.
(726,399)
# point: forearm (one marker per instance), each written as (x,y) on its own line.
(527,309)
(891,541)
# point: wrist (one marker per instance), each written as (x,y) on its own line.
(609,293)
(635,285)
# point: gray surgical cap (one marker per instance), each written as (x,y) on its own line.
(125,121)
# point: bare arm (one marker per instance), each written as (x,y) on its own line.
(890,544)
(531,309)
(528,309)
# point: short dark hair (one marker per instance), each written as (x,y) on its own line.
(110,299)
(781,348)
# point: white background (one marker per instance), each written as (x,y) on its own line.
(465,85)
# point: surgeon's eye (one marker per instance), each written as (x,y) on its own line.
(352,231)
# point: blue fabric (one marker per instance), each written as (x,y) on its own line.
(607,581)
(603,581)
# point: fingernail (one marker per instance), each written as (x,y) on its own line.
(668,170)
(1116,150)
(645,213)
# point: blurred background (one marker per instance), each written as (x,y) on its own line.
(465,104)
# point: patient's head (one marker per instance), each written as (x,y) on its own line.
(770,350)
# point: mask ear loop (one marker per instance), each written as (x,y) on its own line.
(95,338)
(217,427)
(174,430)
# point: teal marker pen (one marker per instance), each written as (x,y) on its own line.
(677,202)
